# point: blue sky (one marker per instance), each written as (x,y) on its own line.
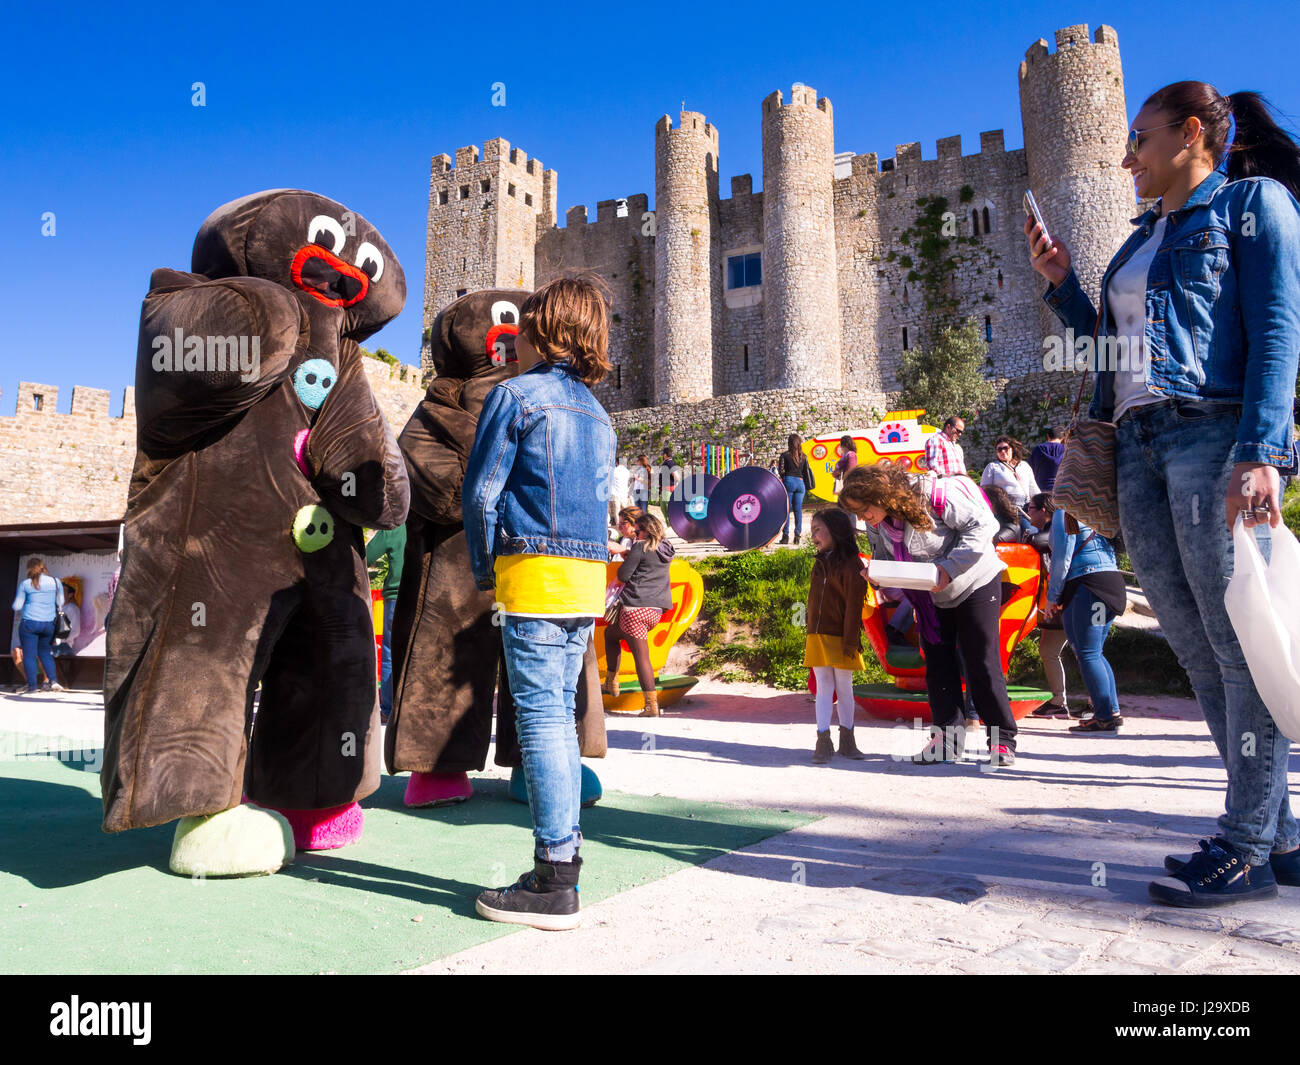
(101,131)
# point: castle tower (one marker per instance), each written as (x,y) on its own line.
(484,216)
(687,264)
(801,324)
(1075,122)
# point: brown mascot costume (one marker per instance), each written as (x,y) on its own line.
(260,454)
(447,650)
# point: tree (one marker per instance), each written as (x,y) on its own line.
(946,377)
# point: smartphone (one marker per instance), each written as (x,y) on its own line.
(1031,209)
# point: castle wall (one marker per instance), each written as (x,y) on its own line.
(740,220)
(76,466)
(622,251)
(879,293)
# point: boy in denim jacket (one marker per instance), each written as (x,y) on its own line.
(535,503)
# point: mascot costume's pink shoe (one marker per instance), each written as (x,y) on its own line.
(448,660)
(261,453)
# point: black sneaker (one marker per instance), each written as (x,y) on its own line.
(1085,710)
(1103,725)
(945,747)
(1048,710)
(1286,867)
(1218,875)
(546,898)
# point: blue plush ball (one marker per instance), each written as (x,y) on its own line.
(313,381)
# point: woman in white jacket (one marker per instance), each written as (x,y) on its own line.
(1010,472)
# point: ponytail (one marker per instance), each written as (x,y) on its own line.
(1258,148)
(35,570)
(1261,148)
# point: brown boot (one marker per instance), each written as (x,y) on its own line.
(651,705)
(611,685)
(825,748)
(849,749)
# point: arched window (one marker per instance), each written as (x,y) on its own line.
(904,295)
(988,226)
(975,222)
(904,338)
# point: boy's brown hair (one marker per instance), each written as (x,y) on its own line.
(568,318)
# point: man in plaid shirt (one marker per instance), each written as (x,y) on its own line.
(942,452)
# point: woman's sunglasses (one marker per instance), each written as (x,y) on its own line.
(1135,136)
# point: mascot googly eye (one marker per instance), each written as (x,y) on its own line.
(500,338)
(369,261)
(326,232)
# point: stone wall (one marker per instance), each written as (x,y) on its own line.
(773,416)
(76,466)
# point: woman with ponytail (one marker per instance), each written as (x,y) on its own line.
(1202,307)
(38,600)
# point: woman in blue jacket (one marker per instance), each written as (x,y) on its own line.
(38,598)
(1087,590)
(1199,323)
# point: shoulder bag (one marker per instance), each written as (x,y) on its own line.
(1085,480)
(62,626)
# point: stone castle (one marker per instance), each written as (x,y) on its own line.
(814,287)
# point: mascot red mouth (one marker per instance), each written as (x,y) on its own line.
(328,278)
(501,344)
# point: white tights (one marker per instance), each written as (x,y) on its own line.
(839,683)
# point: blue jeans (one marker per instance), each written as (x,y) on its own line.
(386,659)
(36,639)
(1087,622)
(795,489)
(543,663)
(1173,464)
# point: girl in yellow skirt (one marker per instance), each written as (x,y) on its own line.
(833,647)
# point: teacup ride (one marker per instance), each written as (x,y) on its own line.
(899,440)
(688,593)
(1023,586)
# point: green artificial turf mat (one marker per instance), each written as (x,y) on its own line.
(75,900)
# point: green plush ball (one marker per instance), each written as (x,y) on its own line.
(313,528)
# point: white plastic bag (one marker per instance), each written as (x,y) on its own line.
(1263,602)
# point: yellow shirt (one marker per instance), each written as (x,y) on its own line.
(549,586)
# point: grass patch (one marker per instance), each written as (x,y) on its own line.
(751,624)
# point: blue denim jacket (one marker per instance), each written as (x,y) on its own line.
(537,478)
(1072,557)
(1222,309)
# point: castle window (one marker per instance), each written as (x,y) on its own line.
(975,222)
(38,401)
(528,199)
(618,377)
(442,196)
(745,349)
(464,192)
(988,330)
(510,190)
(999,279)
(485,185)
(904,295)
(460,292)
(988,227)
(904,338)
(744,271)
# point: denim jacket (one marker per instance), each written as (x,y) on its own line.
(1075,555)
(537,477)
(1222,310)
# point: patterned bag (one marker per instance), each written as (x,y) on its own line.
(1085,481)
(613,602)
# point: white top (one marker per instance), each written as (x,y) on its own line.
(1127,296)
(1019,483)
(621,481)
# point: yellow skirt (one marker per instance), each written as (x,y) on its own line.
(822,650)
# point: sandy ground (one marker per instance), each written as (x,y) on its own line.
(1041,867)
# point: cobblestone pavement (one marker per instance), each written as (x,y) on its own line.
(1041,867)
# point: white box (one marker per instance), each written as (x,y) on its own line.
(921,576)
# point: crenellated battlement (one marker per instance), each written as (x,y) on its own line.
(689,122)
(1069,39)
(800,96)
(497,150)
(907,156)
(38,401)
